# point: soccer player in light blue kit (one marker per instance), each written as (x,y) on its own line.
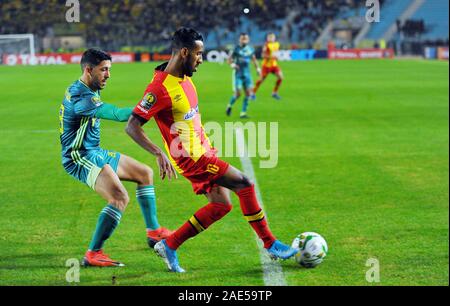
(239,60)
(100,169)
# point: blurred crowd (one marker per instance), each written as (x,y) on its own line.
(113,24)
(308,18)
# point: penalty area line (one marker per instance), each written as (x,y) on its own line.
(272,270)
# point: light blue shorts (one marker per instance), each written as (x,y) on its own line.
(242,80)
(87,166)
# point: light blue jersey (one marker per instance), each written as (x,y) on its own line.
(82,156)
(242,56)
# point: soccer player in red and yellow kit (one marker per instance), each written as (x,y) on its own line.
(171,99)
(270,64)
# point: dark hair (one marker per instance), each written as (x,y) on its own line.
(243,34)
(92,57)
(185,38)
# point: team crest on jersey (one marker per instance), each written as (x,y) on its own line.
(148,101)
(96,100)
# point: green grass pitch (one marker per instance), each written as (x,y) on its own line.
(363,160)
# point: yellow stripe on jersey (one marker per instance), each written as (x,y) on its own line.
(185,127)
(172,161)
(61,119)
(80,133)
(273,49)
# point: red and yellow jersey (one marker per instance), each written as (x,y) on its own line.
(173,102)
(271,49)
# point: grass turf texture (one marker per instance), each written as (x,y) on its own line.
(363,160)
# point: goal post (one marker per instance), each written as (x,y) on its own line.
(17,44)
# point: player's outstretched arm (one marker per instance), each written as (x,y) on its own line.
(111,112)
(230,59)
(136,132)
(231,62)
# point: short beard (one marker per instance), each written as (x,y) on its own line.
(96,84)
(187,67)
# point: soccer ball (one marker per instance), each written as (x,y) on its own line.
(313,249)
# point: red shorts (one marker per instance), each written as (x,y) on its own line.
(267,70)
(205,173)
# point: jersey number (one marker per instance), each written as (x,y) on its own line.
(61,119)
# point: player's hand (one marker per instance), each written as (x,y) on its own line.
(258,70)
(235,66)
(165,167)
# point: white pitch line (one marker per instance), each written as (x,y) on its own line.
(273,273)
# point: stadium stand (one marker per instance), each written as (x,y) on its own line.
(138,23)
(434,14)
(135,25)
(390,12)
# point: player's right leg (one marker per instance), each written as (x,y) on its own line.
(219,205)
(236,181)
(130,169)
(107,184)
(279,74)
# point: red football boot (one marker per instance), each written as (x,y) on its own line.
(99,259)
(157,235)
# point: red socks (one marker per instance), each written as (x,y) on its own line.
(255,215)
(277,85)
(258,83)
(213,212)
(200,221)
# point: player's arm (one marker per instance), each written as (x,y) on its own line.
(266,52)
(231,61)
(136,132)
(89,105)
(112,112)
(151,104)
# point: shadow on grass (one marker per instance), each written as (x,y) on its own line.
(35,261)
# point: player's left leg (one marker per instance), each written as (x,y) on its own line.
(261,79)
(248,94)
(280,77)
(234,98)
(131,170)
(245,189)
(218,206)
(248,87)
